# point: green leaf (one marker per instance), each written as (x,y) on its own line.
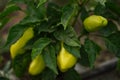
(48,75)
(36,13)
(109,29)
(68,36)
(100,9)
(103,11)
(50,58)
(54,14)
(71,75)
(41,2)
(3,22)
(20,64)
(115,8)
(57,47)
(54,11)
(46,26)
(68,13)
(30,20)
(84,13)
(84,60)
(8,10)
(73,50)
(52,20)
(14,34)
(39,45)
(91,48)
(113,43)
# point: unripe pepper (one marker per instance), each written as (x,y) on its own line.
(94,22)
(17,47)
(65,60)
(37,65)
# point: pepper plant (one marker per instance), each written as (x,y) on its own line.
(47,44)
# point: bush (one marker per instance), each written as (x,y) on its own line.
(54,24)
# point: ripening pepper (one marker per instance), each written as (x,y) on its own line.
(37,65)
(94,22)
(17,47)
(65,60)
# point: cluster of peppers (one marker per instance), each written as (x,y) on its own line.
(65,60)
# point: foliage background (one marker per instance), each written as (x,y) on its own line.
(62,22)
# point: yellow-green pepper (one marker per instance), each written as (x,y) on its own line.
(37,65)
(17,47)
(65,60)
(94,22)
